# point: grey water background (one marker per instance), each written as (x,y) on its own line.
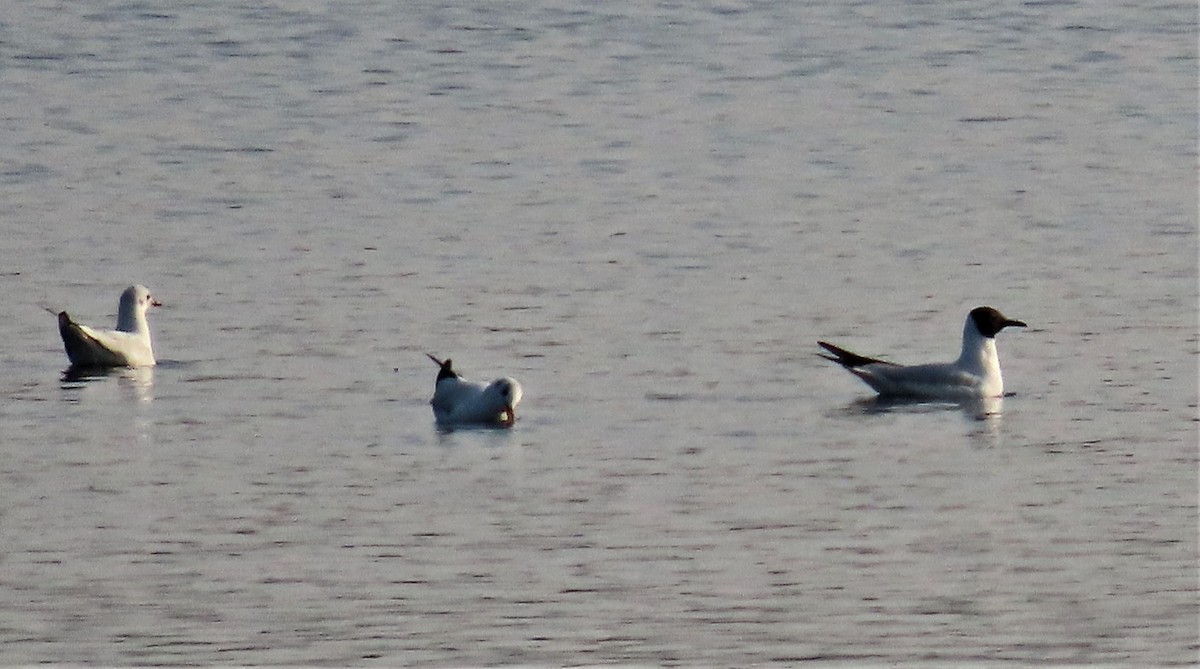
(647,213)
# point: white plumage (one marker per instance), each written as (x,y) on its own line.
(129,345)
(457,401)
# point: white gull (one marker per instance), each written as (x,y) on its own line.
(457,401)
(975,374)
(128,345)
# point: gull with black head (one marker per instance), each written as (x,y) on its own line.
(974,375)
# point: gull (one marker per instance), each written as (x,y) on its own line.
(975,375)
(458,401)
(127,346)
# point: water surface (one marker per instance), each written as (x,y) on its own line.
(648,215)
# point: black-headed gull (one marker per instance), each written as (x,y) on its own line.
(127,346)
(976,373)
(457,401)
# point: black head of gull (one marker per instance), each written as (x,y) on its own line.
(989,321)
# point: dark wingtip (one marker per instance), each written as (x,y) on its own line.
(847,359)
(75,343)
(68,328)
(831,348)
(446,371)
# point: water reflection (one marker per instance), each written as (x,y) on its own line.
(136,383)
(982,409)
(495,434)
(983,414)
(76,375)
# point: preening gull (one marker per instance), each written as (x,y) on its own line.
(457,401)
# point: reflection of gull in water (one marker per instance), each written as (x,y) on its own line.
(128,345)
(975,374)
(138,382)
(982,408)
(984,413)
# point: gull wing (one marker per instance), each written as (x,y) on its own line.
(88,347)
(849,359)
(84,347)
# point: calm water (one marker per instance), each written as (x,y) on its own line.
(648,215)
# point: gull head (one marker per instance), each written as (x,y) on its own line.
(505,393)
(132,309)
(138,297)
(989,321)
